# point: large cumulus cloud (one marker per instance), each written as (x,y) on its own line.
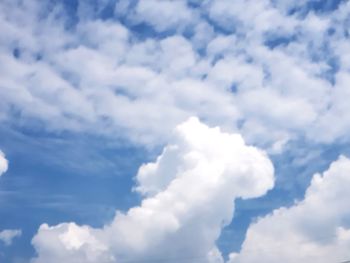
(189,194)
(316,229)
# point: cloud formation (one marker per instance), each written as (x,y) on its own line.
(316,229)
(8,235)
(103,76)
(3,163)
(189,194)
(272,70)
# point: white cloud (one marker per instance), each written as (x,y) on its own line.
(3,163)
(256,19)
(164,14)
(189,194)
(101,77)
(8,235)
(316,229)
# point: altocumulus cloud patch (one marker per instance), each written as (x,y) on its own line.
(186,65)
(189,197)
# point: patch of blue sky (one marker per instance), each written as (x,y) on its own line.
(75,10)
(323,52)
(60,178)
(273,41)
(317,6)
(323,5)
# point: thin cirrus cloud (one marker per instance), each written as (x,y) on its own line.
(189,194)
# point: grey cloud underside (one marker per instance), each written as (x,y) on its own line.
(7,235)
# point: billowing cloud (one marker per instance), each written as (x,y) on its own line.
(3,163)
(189,194)
(316,229)
(7,236)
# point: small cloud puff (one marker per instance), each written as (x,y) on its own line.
(3,163)
(7,236)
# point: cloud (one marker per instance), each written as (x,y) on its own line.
(8,235)
(189,194)
(205,55)
(272,71)
(316,229)
(164,15)
(3,163)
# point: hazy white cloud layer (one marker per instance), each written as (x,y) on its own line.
(3,163)
(316,229)
(189,194)
(7,236)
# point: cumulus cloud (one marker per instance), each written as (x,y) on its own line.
(189,193)
(316,229)
(7,236)
(3,163)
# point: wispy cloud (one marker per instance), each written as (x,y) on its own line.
(7,236)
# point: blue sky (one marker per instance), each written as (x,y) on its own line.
(108,112)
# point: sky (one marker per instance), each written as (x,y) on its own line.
(209,131)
